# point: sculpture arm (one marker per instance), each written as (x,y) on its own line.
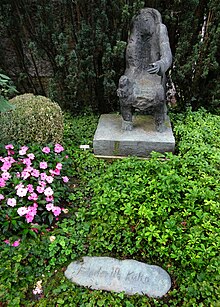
(165,51)
(162,65)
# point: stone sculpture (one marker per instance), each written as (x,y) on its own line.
(148,57)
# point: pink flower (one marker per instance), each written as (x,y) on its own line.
(31,156)
(51,172)
(58,148)
(49,207)
(29,217)
(30,188)
(49,179)
(42,183)
(11,202)
(7,241)
(22,211)
(1,197)
(10,152)
(18,175)
(43,165)
(46,150)
(35,205)
(27,161)
(59,166)
(56,210)
(6,165)
(28,169)
(20,185)
(49,198)
(48,192)
(25,174)
(2,183)
(40,189)
(35,173)
(9,146)
(6,175)
(43,176)
(23,150)
(10,159)
(56,172)
(32,211)
(33,196)
(16,243)
(65,179)
(21,192)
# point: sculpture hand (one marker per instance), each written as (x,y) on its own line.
(154,68)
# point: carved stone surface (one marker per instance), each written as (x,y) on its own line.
(130,276)
(148,57)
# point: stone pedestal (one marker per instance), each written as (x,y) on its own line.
(111,140)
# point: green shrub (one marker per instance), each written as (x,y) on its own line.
(35,119)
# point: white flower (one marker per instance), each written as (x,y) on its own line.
(52,238)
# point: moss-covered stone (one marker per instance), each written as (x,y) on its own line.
(35,119)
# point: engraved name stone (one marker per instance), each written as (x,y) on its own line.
(110,274)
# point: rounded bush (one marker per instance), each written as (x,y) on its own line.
(35,119)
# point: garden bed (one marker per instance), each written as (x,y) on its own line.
(163,212)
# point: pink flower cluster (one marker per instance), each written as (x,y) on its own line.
(34,179)
(15,244)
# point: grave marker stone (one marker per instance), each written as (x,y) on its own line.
(130,276)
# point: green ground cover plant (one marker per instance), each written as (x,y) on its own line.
(161,211)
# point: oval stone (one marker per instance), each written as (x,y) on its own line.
(110,274)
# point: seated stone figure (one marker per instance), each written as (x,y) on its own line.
(148,57)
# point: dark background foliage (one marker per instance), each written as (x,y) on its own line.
(73,51)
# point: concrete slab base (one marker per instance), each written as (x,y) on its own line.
(111,140)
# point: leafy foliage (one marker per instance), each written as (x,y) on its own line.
(35,119)
(6,89)
(196,51)
(81,46)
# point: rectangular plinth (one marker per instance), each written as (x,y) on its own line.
(111,140)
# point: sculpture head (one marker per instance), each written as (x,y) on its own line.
(147,21)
